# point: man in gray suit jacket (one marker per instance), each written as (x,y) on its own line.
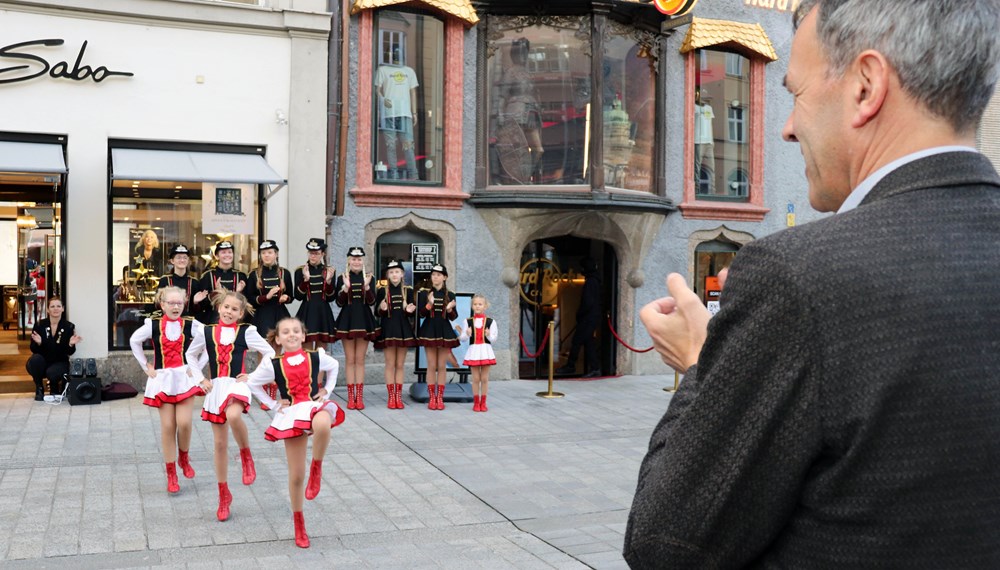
(842,410)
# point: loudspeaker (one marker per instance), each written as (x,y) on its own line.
(83,391)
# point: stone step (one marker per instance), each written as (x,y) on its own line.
(16,384)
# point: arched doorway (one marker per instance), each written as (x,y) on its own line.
(571,281)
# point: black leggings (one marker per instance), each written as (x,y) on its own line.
(39,368)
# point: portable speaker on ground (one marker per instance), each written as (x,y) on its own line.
(83,391)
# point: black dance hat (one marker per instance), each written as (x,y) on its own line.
(224,244)
(440,269)
(178,248)
(268,244)
(316,244)
(393,264)
(356,252)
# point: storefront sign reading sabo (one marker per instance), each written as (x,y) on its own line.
(39,66)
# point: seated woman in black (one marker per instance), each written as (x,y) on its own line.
(53,340)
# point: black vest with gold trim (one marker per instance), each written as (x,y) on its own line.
(312,362)
(159,338)
(479,336)
(237,358)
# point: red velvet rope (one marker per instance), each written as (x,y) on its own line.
(541,347)
(625,344)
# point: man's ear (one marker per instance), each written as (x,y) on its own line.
(871,76)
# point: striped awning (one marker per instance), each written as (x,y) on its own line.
(744,38)
(461,9)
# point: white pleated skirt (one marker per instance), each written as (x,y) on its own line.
(296,420)
(171,386)
(224,392)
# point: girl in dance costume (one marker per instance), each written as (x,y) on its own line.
(224,347)
(170,386)
(395,306)
(480,331)
(356,324)
(314,287)
(303,410)
(437,306)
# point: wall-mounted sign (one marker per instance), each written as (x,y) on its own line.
(780,5)
(227,208)
(674,8)
(32,65)
(425,256)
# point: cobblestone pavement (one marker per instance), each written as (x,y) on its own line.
(533,483)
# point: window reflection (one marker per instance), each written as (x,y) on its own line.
(409,91)
(539,81)
(629,114)
(721,148)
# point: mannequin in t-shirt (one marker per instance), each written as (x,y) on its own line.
(704,149)
(397,89)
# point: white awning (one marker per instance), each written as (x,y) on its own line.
(189,166)
(31,157)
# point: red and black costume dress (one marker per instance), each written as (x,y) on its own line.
(356,319)
(215,279)
(395,324)
(267,312)
(171,339)
(224,349)
(436,329)
(297,376)
(480,331)
(185,283)
(315,312)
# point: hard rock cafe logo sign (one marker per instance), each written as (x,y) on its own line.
(674,8)
(540,278)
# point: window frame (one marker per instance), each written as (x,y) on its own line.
(446,195)
(737,122)
(752,207)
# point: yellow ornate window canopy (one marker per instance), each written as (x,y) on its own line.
(748,39)
(461,9)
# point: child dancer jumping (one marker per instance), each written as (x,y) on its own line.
(170,387)
(224,346)
(304,410)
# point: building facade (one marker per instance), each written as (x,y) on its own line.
(130,127)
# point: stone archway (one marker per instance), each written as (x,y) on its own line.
(444,230)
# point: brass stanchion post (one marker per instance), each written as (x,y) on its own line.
(550,393)
(677,383)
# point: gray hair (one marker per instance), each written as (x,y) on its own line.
(945,53)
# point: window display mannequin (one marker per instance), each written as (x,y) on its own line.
(397,89)
(519,108)
(704,149)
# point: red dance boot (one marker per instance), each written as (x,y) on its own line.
(350,397)
(249,472)
(359,396)
(225,499)
(185,464)
(431,400)
(440,397)
(482,404)
(399,396)
(475,403)
(301,538)
(390,393)
(172,486)
(315,477)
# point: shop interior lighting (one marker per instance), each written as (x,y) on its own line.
(26,221)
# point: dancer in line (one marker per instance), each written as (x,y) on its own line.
(180,277)
(170,386)
(480,331)
(437,307)
(395,307)
(314,287)
(269,288)
(356,324)
(222,276)
(304,410)
(224,347)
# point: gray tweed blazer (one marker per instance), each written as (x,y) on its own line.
(845,410)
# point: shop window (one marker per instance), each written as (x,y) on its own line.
(711,257)
(147,219)
(408,98)
(718,90)
(409,113)
(724,77)
(629,86)
(539,84)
